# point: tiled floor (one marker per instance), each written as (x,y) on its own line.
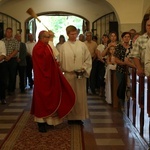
(106,129)
(10,112)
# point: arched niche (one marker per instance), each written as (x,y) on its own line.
(105,25)
(8,21)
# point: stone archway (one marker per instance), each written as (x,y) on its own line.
(32,22)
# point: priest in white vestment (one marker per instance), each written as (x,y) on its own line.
(74,55)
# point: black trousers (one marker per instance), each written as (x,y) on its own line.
(22,75)
(100,82)
(29,68)
(92,78)
(12,65)
(121,77)
(3,80)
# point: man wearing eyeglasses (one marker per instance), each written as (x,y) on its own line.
(53,97)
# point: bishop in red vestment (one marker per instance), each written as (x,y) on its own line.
(53,97)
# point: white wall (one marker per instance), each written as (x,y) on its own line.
(129,12)
(89,9)
(85,8)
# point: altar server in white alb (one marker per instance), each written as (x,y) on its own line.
(74,57)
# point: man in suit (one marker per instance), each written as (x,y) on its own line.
(21,62)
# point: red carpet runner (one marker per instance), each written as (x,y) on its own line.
(25,136)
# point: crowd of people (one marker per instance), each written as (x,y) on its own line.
(75,67)
(16,61)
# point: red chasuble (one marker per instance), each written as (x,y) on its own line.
(52,93)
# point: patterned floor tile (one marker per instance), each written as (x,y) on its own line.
(109,142)
(5,125)
(18,104)
(8,117)
(13,110)
(105,130)
(98,113)
(101,121)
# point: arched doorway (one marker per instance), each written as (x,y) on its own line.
(105,25)
(8,21)
(57,22)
